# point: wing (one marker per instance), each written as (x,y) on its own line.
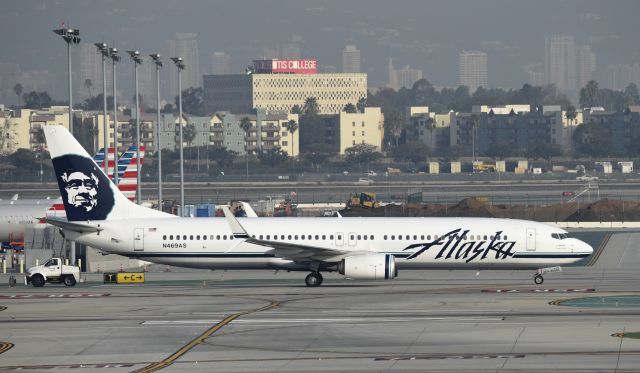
(290,251)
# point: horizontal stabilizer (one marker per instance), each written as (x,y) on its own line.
(72,226)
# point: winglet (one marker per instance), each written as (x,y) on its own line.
(236,228)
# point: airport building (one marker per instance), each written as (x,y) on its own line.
(279,85)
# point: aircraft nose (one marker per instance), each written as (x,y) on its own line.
(586,247)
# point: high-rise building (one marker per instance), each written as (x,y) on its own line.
(586,64)
(560,62)
(534,74)
(89,80)
(220,63)
(473,70)
(184,45)
(350,59)
(391,73)
(407,77)
(619,76)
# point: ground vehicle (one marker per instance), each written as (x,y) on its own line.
(366,200)
(481,167)
(365,181)
(53,271)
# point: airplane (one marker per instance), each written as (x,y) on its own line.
(16,215)
(100,216)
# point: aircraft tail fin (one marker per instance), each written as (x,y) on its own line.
(87,193)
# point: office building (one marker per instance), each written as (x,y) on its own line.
(586,64)
(220,63)
(345,130)
(407,77)
(350,59)
(473,70)
(560,62)
(183,45)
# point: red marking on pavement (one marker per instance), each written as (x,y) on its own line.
(538,290)
(53,296)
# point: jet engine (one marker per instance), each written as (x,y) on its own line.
(370,266)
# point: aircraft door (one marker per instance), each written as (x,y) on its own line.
(352,239)
(531,239)
(138,239)
(339,239)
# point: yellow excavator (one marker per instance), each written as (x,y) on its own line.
(364,199)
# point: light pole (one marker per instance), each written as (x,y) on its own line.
(180,65)
(137,60)
(158,63)
(70,36)
(103,49)
(115,58)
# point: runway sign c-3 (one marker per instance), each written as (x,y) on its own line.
(130,278)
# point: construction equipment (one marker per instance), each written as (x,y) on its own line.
(364,199)
(481,167)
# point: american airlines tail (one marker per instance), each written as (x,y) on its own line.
(87,193)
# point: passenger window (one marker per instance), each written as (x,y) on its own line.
(171,237)
(331,237)
(211,237)
(309,237)
(365,236)
(435,236)
(422,237)
(204,237)
(218,237)
(485,237)
(260,236)
(428,237)
(268,237)
(339,237)
(385,237)
(198,237)
(302,237)
(317,237)
(415,237)
(353,237)
(393,237)
(296,236)
(359,237)
(371,237)
(324,237)
(191,237)
(289,237)
(164,238)
(224,237)
(505,237)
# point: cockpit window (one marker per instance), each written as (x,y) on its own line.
(560,236)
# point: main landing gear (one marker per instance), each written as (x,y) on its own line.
(313,279)
(538,279)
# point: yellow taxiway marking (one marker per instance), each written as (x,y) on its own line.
(200,339)
(5,346)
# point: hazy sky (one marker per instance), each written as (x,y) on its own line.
(422,34)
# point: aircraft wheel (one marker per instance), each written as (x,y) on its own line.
(313,279)
(538,279)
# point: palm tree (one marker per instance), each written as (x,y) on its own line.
(311,106)
(362,104)
(18,90)
(350,108)
(245,125)
(88,84)
(431,125)
(292,127)
(571,115)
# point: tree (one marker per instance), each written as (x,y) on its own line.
(292,127)
(593,139)
(189,133)
(97,103)
(192,101)
(311,107)
(318,153)
(362,104)
(18,91)
(166,109)
(245,125)
(571,115)
(222,156)
(296,109)
(631,91)
(350,108)
(88,84)
(543,151)
(589,94)
(37,100)
(393,122)
(7,136)
(362,154)
(413,151)
(273,157)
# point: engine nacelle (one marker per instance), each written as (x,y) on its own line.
(369,267)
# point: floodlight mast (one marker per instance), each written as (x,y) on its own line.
(103,49)
(115,58)
(137,60)
(180,65)
(158,62)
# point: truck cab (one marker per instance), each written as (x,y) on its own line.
(53,271)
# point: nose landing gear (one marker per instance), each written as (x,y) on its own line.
(538,279)
(313,279)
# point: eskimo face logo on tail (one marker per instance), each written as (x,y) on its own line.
(85,191)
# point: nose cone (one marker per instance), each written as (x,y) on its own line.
(586,248)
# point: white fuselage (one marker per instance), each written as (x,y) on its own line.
(209,243)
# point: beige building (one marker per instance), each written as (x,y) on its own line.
(430,128)
(349,129)
(281,92)
(25,125)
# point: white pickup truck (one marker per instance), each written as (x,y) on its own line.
(52,271)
